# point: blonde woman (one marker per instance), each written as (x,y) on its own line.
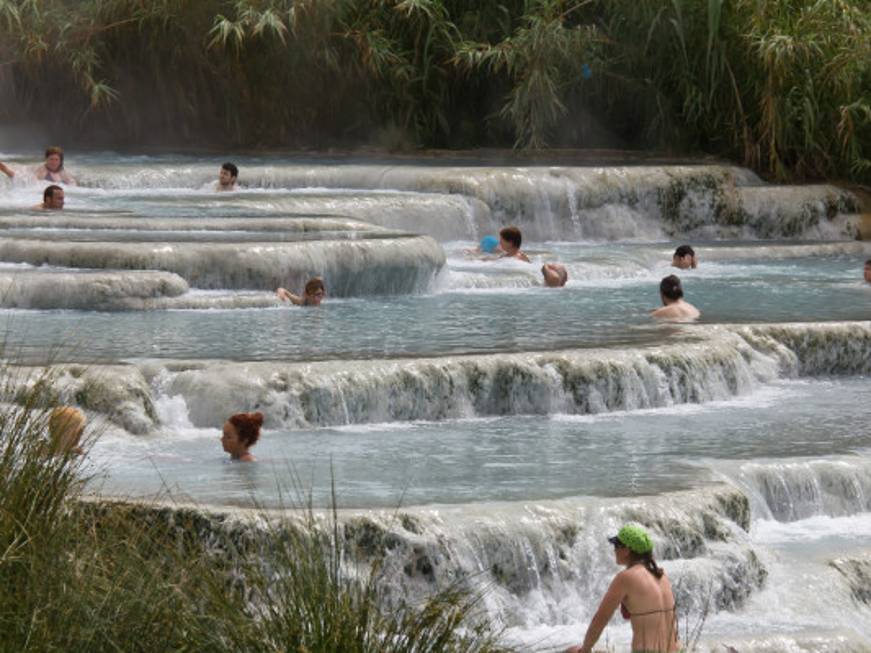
(65,427)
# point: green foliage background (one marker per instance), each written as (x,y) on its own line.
(783,86)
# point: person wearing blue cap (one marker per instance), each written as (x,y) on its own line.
(489,245)
(643,594)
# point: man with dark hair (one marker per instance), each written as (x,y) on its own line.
(868,270)
(510,240)
(684,258)
(673,305)
(52,199)
(227,177)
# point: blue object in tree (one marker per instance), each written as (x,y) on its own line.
(586,71)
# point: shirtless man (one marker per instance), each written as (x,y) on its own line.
(6,170)
(314,293)
(53,168)
(868,271)
(555,275)
(510,239)
(684,258)
(674,307)
(52,199)
(227,177)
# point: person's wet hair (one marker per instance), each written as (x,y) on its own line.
(684,250)
(314,285)
(647,560)
(65,427)
(231,168)
(868,263)
(511,235)
(670,287)
(247,425)
(48,193)
(56,150)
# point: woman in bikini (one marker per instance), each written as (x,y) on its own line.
(53,168)
(642,592)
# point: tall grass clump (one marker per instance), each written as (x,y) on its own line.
(782,86)
(82,574)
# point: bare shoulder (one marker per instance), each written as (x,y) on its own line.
(692,311)
(665,312)
(628,576)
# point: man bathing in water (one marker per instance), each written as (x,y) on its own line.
(674,307)
(53,168)
(510,240)
(314,294)
(684,258)
(227,177)
(555,275)
(52,199)
(868,271)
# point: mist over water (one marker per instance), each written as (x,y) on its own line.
(514,426)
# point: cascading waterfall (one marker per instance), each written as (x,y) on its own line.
(792,491)
(710,366)
(522,425)
(354,267)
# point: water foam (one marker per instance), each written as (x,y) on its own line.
(712,364)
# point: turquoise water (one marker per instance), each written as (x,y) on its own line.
(514,458)
(472,307)
(514,426)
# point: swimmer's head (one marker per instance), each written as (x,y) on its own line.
(555,275)
(868,270)
(489,244)
(54,159)
(315,291)
(229,173)
(53,197)
(670,289)
(510,239)
(684,258)
(241,432)
(65,427)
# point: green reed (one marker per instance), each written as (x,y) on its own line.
(781,86)
(78,574)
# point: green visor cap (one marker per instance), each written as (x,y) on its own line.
(634,538)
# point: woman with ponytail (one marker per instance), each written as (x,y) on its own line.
(643,593)
(241,432)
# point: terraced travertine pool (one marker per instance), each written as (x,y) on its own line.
(517,425)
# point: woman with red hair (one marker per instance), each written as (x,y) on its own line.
(241,432)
